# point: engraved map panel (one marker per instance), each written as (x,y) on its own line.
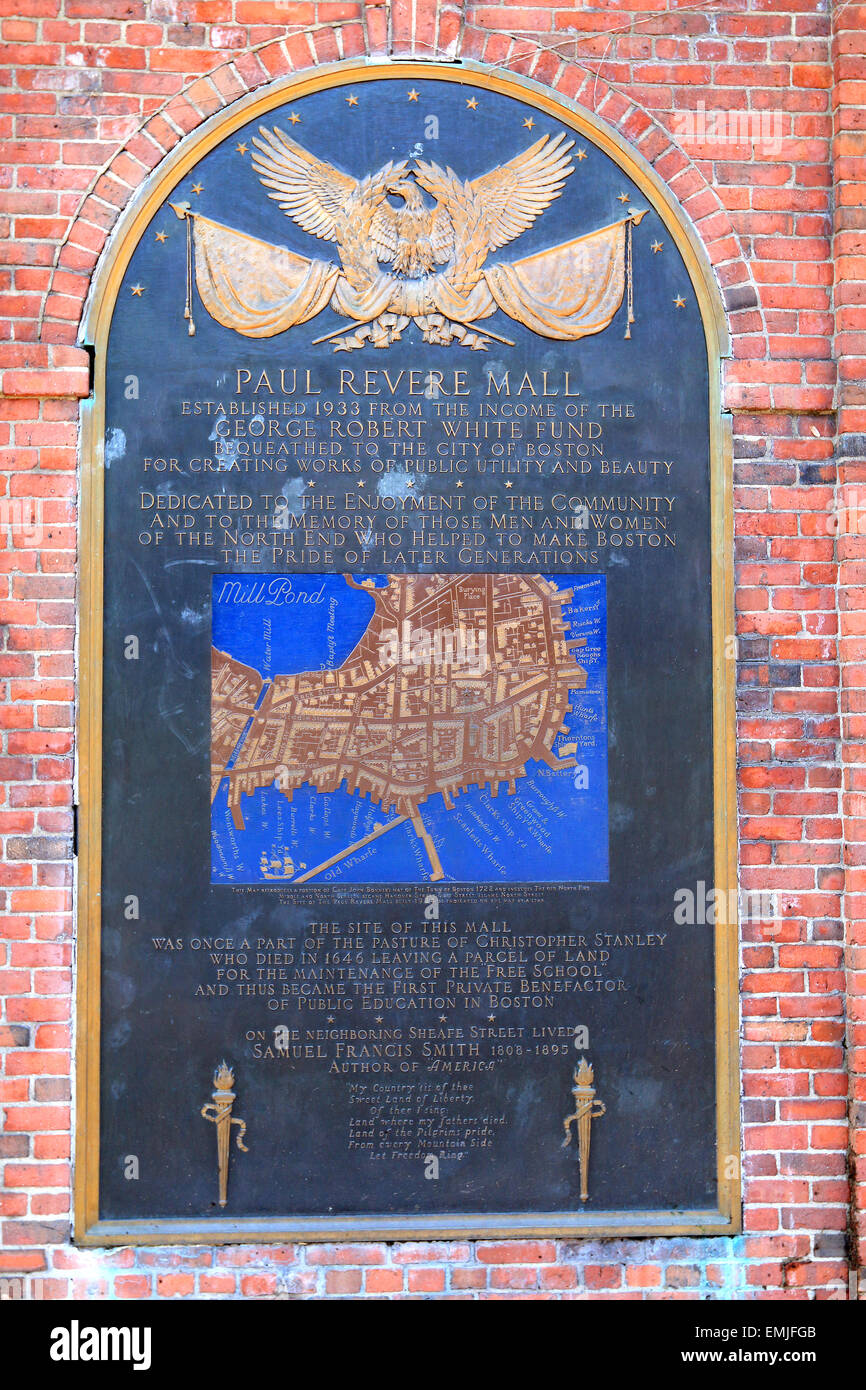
(409,728)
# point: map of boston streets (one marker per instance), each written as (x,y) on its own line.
(459,683)
(402,733)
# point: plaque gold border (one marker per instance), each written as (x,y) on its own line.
(89,1230)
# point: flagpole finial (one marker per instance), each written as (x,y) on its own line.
(182,210)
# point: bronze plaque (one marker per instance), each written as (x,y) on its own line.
(405,738)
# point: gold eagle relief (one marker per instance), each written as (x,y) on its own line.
(414,247)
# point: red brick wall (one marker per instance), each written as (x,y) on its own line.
(92,94)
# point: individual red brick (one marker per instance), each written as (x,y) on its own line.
(517,1252)
(383,1281)
(343,1281)
(175,1285)
(426,1280)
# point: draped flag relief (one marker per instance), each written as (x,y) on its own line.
(411,263)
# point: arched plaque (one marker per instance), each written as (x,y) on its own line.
(407,903)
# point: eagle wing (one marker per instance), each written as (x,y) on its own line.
(308,189)
(515,193)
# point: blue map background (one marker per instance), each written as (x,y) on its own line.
(554,828)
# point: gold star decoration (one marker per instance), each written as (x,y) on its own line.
(680,302)
(361,482)
(472,104)
(352,100)
(529,122)
(623,198)
(410,482)
(311,483)
(161,236)
(197,188)
(656,247)
(458,484)
(413,95)
(241,148)
(137,290)
(294,118)
(581,154)
(509,485)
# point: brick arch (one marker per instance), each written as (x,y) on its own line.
(417,29)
